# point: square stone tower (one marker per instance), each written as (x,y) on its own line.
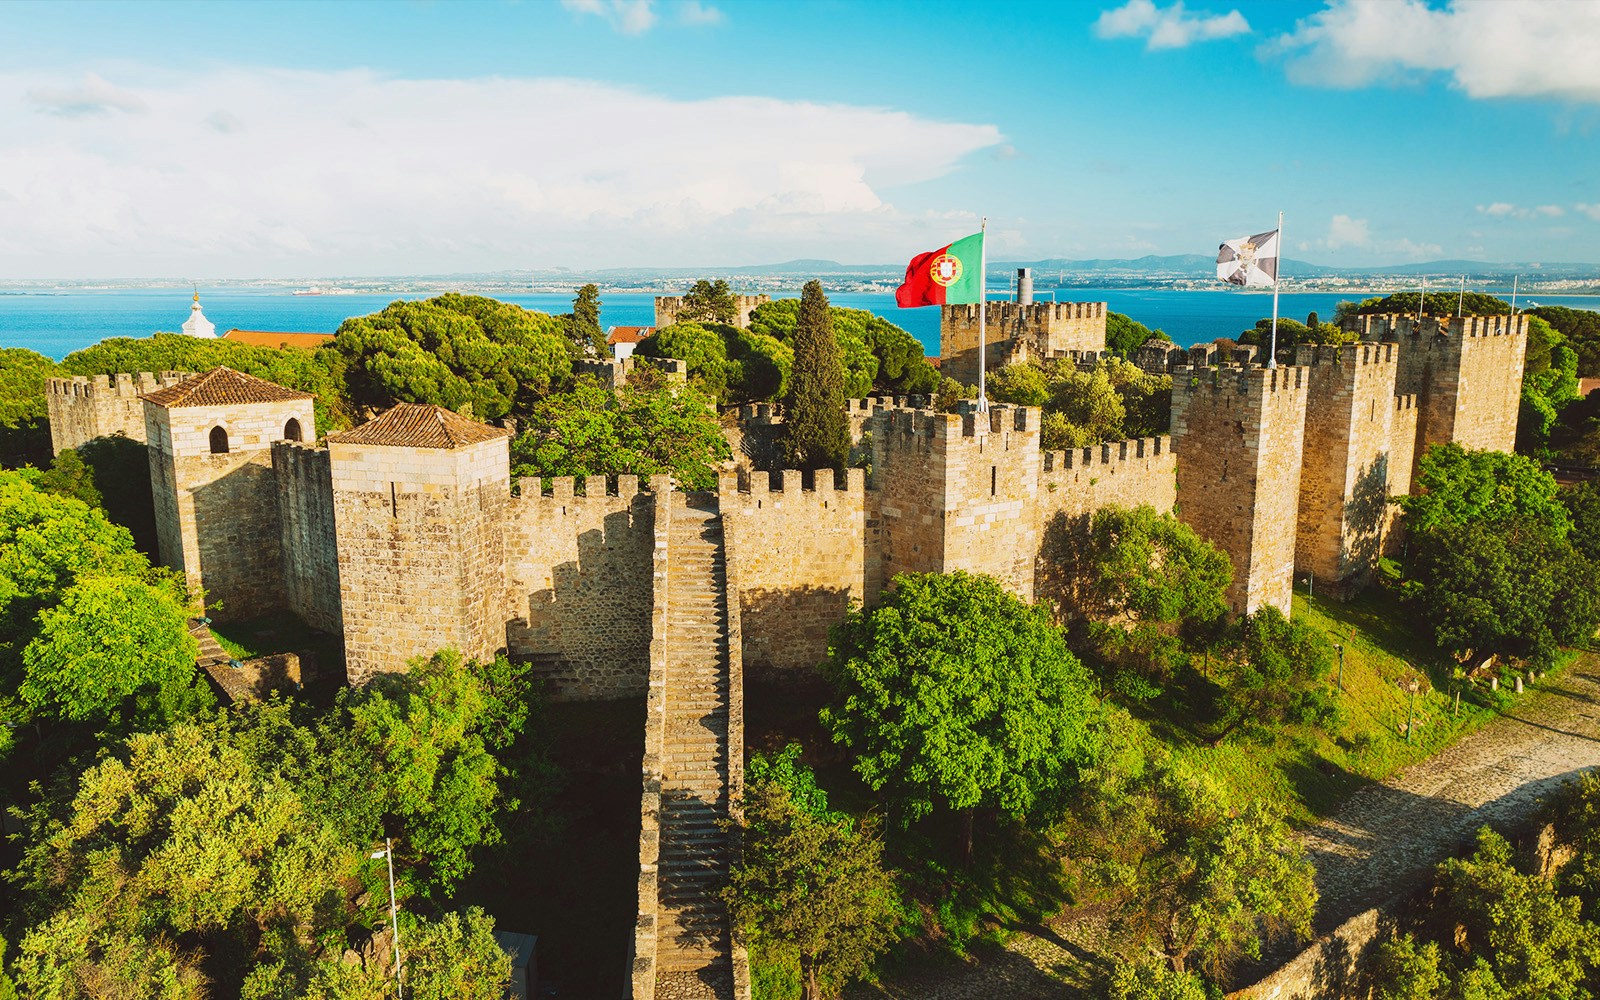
(1238,434)
(216,495)
(1017,331)
(958,492)
(1466,372)
(419,499)
(1346,475)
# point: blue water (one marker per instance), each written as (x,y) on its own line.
(57,323)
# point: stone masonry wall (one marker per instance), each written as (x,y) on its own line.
(1238,433)
(801,557)
(421,551)
(1126,473)
(668,307)
(309,543)
(1017,332)
(1345,473)
(578,587)
(957,492)
(217,514)
(82,409)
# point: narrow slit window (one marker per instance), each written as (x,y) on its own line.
(394,500)
(994,478)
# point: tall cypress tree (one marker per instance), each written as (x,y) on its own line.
(818,427)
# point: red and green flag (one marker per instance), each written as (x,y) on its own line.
(950,275)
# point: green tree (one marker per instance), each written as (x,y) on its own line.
(455,958)
(1581,330)
(587,335)
(1455,487)
(1276,675)
(69,476)
(1534,938)
(115,651)
(812,885)
(1404,970)
(709,302)
(817,428)
(1150,981)
(1436,304)
(954,692)
(24,422)
(8,988)
(1185,873)
(1021,384)
(639,430)
(1125,335)
(466,353)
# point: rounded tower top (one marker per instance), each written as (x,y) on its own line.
(197,325)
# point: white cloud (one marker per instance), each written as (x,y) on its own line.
(1592,211)
(416,175)
(1167,27)
(93,97)
(697,13)
(1506,210)
(1489,48)
(1416,251)
(630,17)
(1344,231)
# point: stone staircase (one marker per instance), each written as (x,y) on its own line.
(693,948)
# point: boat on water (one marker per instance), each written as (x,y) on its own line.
(313,290)
(319,290)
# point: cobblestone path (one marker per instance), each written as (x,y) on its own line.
(1384,841)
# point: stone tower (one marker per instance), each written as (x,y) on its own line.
(1238,434)
(958,492)
(1347,474)
(216,498)
(1466,373)
(1017,331)
(419,498)
(668,307)
(82,408)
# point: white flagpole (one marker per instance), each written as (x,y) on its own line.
(1277,271)
(983,310)
(1461,303)
(1422,298)
(1514,278)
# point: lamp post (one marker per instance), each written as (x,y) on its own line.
(394,915)
(1340,648)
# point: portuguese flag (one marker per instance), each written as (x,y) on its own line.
(950,275)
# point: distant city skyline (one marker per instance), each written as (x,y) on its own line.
(291,139)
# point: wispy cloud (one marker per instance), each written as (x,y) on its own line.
(1489,48)
(1592,211)
(1343,231)
(1171,27)
(795,174)
(1506,210)
(696,13)
(93,97)
(630,17)
(1346,232)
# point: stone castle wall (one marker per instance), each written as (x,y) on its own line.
(217,514)
(1017,332)
(82,409)
(578,588)
(1074,483)
(613,373)
(1346,466)
(1239,434)
(957,492)
(668,307)
(421,550)
(308,542)
(802,558)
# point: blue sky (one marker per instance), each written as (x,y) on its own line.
(288,139)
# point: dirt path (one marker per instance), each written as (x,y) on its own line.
(1384,841)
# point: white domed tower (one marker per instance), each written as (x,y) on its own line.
(197,325)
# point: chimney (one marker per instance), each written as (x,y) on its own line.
(1025,286)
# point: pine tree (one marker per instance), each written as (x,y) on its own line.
(819,429)
(586,321)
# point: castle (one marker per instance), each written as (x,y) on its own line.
(407,535)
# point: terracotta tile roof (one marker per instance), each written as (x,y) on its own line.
(222,387)
(419,425)
(628,334)
(273,338)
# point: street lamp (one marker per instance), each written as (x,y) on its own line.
(1340,648)
(394,916)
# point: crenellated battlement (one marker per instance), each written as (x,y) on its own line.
(1364,353)
(565,489)
(1242,379)
(1106,454)
(669,306)
(122,386)
(903,427)
(1398,326)
(613,373)
(1040,313)
(793,482)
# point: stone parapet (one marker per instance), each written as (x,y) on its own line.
(308,537)
(645,938)
(669,306)
(83,408)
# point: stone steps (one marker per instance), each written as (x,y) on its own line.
(693,951)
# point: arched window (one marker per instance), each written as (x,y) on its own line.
(219,441)
(291,430)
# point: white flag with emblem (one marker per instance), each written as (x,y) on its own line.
(1251,261)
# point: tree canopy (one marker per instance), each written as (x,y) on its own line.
(1114,401)
(709,302)
(1581,330)
(1434,304)
(954,692)
(724,362)
(1125,335)
(878,357)
(24,423)
(466,353)
(583,324)
(640,430)
(816,426)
